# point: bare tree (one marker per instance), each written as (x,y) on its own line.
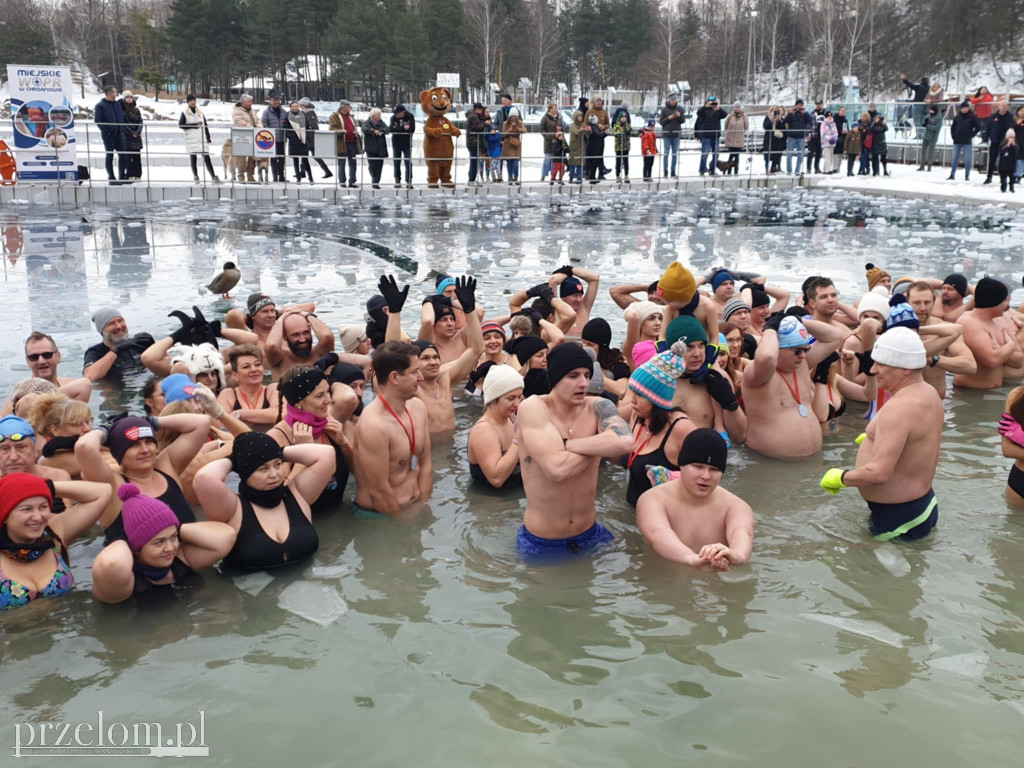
(486,21)
(546,42)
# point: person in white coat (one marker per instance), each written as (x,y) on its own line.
(197,137)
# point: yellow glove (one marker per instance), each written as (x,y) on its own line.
(860,438)
(832,481)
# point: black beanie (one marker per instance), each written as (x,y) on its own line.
(990,292)
(256,302)
(704,446)
(524,347)
(958,283)
(302,386)
(251,450)
(759,298)
(423,345)
(597,331)
(442,308)
(565,358)
(807,284)
(346,373)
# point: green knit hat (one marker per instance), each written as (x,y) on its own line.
(687,329)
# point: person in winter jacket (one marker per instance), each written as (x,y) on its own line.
(623,107)
(559,156)
(842,126)
(493,148)
(671,119)
(1018,130)
(1008,154)
(375,141)
(982,103)
(774,142)
(348,141)
(313,123)
(197,137)
(865,149)
(648,148)
(879,146)
(550,125)
(132,136)
(275,118)
(935,96)
(707,127)
(243,116)
(298,139)
(403,126)
(577,147)
(932,126)
(476,140)
(512,144)
(622,131)
(998,125)
(814,137)
(918,93)
(964,128)
(828,135)
(109,118)
(852,146)
(595,149)
(799,125)
(598,110)
(736,126)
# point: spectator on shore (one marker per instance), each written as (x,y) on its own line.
(503,110)
(798,125)
(707,127)
(998,125)
(600,112)
(108,115)
(274,117)
(491,148)
(1007,162)
(932,126)
(842,128)
(879,146)
(814,138)
(982,103)
(313,123)
(375,132)
(935,96)
(299,139)
(550,125)
(671,120)
(243,116)
(649,148)
(403,126)
(577,147)
(852,146)
(132,136)
(918,93)
(865,147)
(1018,130)
(595,136)
(736,126)
(475,135)
(774,142)
(348,142)
(512,144)
(623,131)
(197,138)
(962,131)
(828,136)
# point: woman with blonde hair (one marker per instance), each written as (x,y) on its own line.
(61,421)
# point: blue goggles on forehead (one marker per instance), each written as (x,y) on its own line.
(17,438)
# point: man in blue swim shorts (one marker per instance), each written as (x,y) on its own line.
(562,438)
(900,450)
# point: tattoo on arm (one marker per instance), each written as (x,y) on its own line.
(608,418)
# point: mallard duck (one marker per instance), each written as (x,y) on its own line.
(225,281)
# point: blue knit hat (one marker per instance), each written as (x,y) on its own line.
(720,277)
(656,379)
(901,314)
(177,387)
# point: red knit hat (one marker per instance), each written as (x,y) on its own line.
(144,517)
(18,486)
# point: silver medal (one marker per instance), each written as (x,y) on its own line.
(414,463)
(802,410)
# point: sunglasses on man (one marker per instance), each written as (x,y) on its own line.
(36,355)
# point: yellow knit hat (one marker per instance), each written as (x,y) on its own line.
(875,275)
(677,284)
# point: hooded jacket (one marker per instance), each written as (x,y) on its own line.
(736,125)
(672,126)
(577,138)
(932,125)
(549,125)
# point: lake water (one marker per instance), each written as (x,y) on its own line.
(429,641)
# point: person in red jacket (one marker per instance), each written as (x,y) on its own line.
(648,148)
(982,101)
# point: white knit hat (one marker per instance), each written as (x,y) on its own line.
(901,348)
(351,337)
(501,380)
(645,309)
(873,302)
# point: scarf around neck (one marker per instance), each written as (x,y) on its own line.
(293,414)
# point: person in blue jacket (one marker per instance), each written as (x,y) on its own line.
(109,118)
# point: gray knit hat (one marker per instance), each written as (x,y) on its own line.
(104,315)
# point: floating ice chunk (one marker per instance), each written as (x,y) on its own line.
(314,602)
(893,560)
(966,664)
(253,583)
(500,244)
(364,235)
(870,629)
(508,263)
(332,571)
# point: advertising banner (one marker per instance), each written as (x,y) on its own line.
(42,110)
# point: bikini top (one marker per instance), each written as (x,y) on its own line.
(255,550)
(15,595)
(238,403)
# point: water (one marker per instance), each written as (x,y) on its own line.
(829,649)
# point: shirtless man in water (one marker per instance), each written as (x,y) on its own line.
(990,336)
(291,341)
(392,441)
(562,437)
(439,378)
(692,520)
(569,283)
(946,353)
(259,316)
(899,452)
(952,293)
(777,387)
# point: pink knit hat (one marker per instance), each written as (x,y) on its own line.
(143,516)
(642,352)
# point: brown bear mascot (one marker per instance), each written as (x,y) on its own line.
(438,130)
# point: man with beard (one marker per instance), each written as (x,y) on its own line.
(991,337)
(259,316)
(42,358)
(953,291)
(290,341)
(947,353)
(118,352)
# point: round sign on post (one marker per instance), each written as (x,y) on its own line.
(265,144)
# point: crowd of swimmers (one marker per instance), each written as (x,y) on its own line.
(271,398)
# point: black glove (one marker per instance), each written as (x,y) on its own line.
(478,375)
(57,444)
(821,369)
(537,291)
(720,390)
(465,292)
(181,334)
(325,362)
(531,313)
(565,269)
(201,333)
(143,340)
(126,346)
(215,332)
(866,362)
(797,311)
(773,322)
(49,484)
(394,298)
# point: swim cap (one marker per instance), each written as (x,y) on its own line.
(704,446)
(733,306)
(526,346)
(990,292)
(256,302)
(901,315)
(900,348)
(570,287)
(492,327)
(143,516)
(251,450)
(126,432)
(958,282)
(875,275)
(792,333)
(759,298)
(597,331)
(300,387)
(687,329)
(15,425)
(656,379)
(645,309)
(18,486)
(500,380)
(565,358)
(677,284)
(873,302)
(442,282)
(104,315)
(720,277)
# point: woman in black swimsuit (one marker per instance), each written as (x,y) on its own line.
(658,427)
(493,456)
(273,521)
(157,551)
(251,401)
(132,444)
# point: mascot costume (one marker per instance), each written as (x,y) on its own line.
(438,130)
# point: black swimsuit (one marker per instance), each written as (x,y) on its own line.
(512,481)
(331,498)
(255,550)
(172,497)
(638,482)
(183,575)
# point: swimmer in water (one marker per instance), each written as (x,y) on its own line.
(291,341)
(493,453)
(568,281)
(991,337)
(693,520)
